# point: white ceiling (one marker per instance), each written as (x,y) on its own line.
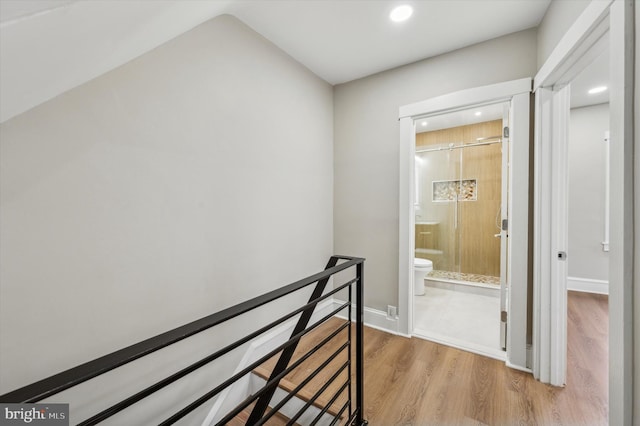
(342,40)
(50,46)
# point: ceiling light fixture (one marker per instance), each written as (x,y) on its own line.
(401,13)
(478,113)
(424,124)
(598,89)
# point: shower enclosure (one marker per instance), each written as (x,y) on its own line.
(458,201)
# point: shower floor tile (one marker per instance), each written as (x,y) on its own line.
(461,276)
(467,321)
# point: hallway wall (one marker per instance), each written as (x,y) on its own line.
(560,15)
(587,261)
(192,178)
(367,146)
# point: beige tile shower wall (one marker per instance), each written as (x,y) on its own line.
(472,247)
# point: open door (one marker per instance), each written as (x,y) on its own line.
(514,241)
(504,234)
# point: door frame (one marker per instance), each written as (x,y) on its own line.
(518,93)
(574,51)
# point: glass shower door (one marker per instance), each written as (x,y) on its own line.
(438,230)
(459,175)
(479,210)
(458,210)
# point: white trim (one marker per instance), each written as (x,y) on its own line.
(551,235)
(621,257)
(576,42)
(560,234)
(461,344)
(588,285)
(374,318)
(607,191)
(578,46)
(518,232)
(406,222)
(489,94)
(517,92)
(517,367)
(541,237)
(567,60)
(504,234)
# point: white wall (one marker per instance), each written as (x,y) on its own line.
(367,146)
(560,15)
(192,178)
(587,261)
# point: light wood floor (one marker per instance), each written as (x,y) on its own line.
(417,382)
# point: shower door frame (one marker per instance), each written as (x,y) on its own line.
(518,93)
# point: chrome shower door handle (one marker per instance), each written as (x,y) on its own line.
(455,214)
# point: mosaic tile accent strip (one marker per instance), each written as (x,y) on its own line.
(446,190)
(460,276)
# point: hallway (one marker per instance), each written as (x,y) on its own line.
(416,382)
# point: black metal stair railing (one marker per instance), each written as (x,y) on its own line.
(350,411)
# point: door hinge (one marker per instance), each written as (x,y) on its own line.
(505,224)
(503,316)
(505,132)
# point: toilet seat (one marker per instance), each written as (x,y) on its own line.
(419,263)
(421,267)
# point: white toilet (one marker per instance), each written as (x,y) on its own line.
(421,268)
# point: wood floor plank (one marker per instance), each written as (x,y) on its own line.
(241,419)
(420,383)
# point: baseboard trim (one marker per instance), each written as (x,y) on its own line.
(588,285)
(462,345)
(374,318)
(518,367)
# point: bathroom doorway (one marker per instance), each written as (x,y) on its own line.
(442,231)
(460,194)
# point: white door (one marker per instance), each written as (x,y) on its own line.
(504,234)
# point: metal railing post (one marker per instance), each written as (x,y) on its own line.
(359,345)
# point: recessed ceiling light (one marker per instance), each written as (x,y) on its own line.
(478,113)
(598,89)
(401,13)
(424,124)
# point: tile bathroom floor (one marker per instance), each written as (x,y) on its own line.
(462,320)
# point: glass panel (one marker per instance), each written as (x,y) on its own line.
(458,194)
(479,223)
(437,233)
